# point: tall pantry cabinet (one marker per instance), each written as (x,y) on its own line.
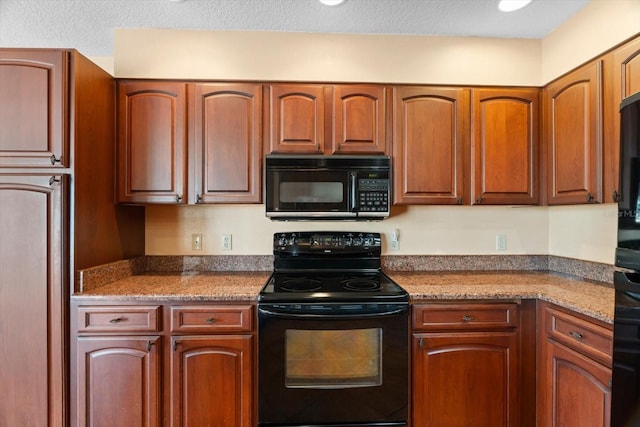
(57,214)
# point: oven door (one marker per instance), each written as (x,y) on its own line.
(333,364)
(309,192)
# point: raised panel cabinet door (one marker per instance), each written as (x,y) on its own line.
(430,144)
(359,119)
(504,146)
(573,122)
(32,301)
(118,381)
(465,379)
(33,111)
(296,118)
(212,381)
(578,392)
(151,142)
(227,139)
(625,82)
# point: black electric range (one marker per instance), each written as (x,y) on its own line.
(316,267)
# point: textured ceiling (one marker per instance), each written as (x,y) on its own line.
(88,25)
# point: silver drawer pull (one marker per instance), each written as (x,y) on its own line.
(117,320)
(211,320)
(576,335)
(467,318)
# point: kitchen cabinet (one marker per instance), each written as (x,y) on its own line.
(225,151)
(32,291)
(575,369)
(573,132)
(430,145)
(120,379)
(56,215)
(152,137)
(204,376)
(33,121)
(206,150)
(623,74)
(466,364)
(327,119)
(504,146)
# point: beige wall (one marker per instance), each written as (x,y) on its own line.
(584,232)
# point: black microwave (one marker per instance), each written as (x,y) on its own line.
(307,187)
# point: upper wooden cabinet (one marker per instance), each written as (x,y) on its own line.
(208,151)
(33,125)
(319,119)
(359,119)
(151,142)
(296,118)
(430,144)
(624,70)
(225,148)
(573,130)
(504,146)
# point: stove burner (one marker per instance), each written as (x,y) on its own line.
(361,284)
(301,285)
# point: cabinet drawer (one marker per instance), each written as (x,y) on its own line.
(118,318)
(464,316)
(581,335)
(194,319)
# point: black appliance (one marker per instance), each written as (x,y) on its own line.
(625,404)
(307,187)
(333,335)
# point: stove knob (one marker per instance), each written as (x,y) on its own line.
(293,240)
(368,241)
(282,241)
(357,241)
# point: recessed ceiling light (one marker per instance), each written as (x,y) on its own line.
(511,5)
(332,2)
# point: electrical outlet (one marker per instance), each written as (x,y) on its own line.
(501,242)
(225,243)
(394,241)
(196,242)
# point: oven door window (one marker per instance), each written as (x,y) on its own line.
(333,358)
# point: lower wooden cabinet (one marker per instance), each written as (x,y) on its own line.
(575,370)
(119,380)
(124,376)
(465,365)
(211,381)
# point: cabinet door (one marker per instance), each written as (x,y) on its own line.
(465,379)
(504,146)
(33,291)
(212,381)
(296,119)
(33,129)
(577,392)
(359,119)
(226,129)
(573,123)
(118,381)
(151,142)
(430,142)
(625,82)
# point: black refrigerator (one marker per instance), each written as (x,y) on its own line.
(625,394)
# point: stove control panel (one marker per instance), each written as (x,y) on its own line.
(326,241)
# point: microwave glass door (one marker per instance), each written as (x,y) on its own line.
(309,191)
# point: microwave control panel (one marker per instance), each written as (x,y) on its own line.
(373,195)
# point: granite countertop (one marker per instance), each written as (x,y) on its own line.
(587,297)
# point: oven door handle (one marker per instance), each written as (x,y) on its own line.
(285,314)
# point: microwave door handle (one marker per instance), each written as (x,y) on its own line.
(352,195)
